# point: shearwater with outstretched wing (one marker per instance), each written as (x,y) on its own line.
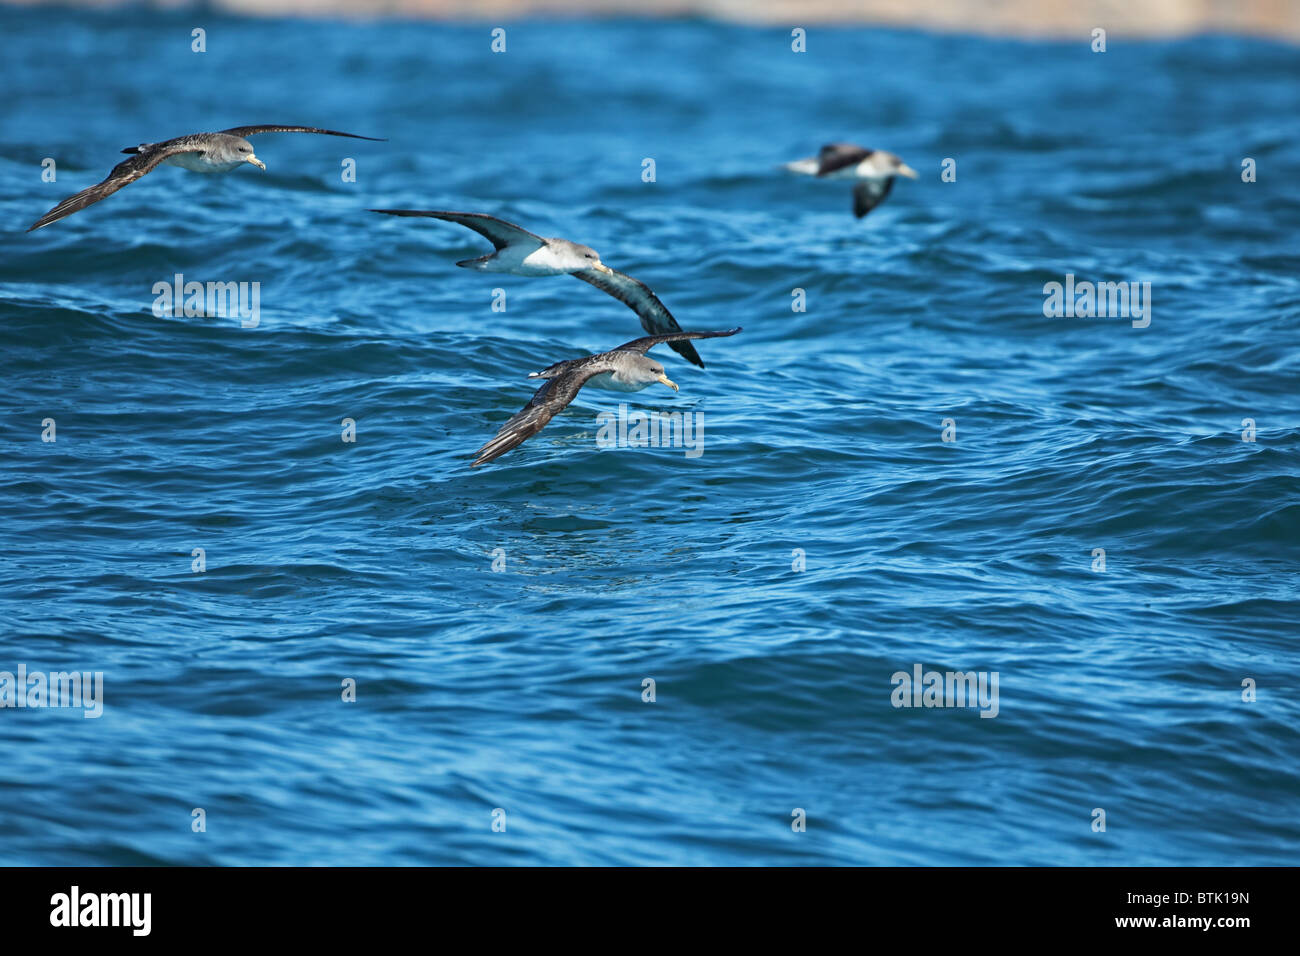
(522,253)
(626,369)
(198,152)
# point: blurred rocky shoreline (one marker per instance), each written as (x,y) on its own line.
(1020,18)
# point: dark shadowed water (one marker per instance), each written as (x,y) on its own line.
(521,690)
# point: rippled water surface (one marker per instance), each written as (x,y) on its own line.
(522,690)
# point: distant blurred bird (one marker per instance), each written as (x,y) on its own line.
(522,253)
(874,169)
(624,369)
(199,152)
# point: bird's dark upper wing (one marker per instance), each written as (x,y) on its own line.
(124,173)
(869,194)
(497,231)
(835,156)
(254,130)
(644,345)
(636,295)
(552,398)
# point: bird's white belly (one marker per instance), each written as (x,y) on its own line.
(200,164)
(862,170)
(869,170)
(540,261)
(611,383)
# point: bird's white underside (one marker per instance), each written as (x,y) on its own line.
(867,169)
(531,260)
(198,163)
(614,382)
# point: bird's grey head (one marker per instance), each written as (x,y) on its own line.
(894,164)
(584,257)
(648,370)
(239,150)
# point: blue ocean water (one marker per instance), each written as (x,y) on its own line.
(516,696)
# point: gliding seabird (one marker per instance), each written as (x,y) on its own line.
(199,152)
(522,253)
(874,170)
(624,369)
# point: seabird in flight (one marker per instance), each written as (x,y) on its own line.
(624,369)
(200,152)
(874,170)
(520,252)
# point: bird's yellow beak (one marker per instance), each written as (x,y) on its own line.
(601,267)
(908,171)
(256,162)
(669,382)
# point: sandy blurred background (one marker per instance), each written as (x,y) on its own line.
(1030,18)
